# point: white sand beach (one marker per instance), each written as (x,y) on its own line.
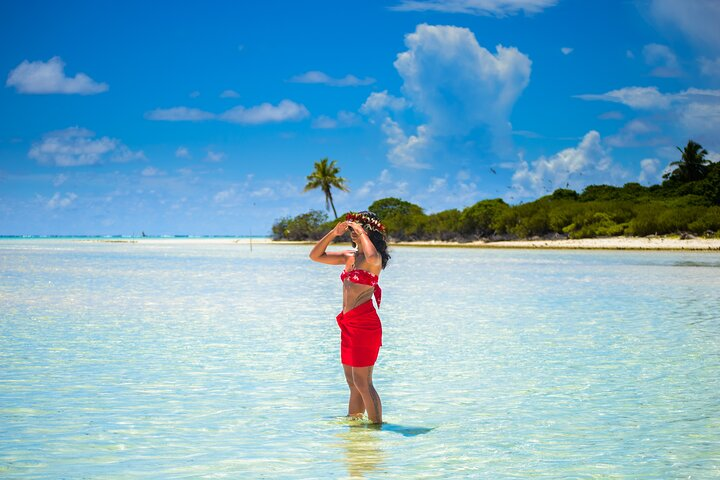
(610,243)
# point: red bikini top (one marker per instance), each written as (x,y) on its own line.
(364,277)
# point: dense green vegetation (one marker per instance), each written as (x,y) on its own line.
(687,201)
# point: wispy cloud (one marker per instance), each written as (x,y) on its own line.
(285,111)
(59,179)
(151,172)
(49,77)
(179,114)
(494,8)
(182,152)
(77,146)
(662,59)
(343,119)
(214,157)
(650,173)
(611,115)
(315,76)
(229,94)
(698,110)
(637,133)
(566,50)
(698,20)
(61,201)
(634,97)
(710,66)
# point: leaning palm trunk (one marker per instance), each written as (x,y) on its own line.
(325,177)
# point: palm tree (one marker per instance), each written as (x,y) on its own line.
(692,165)
(325,177)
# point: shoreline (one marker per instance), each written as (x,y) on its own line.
(672,243)
(607,243)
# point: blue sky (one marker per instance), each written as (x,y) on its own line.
(204,118)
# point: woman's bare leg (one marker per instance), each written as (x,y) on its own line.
(356,407)
(362,378)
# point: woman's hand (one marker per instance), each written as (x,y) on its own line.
(356,227)
(340,228)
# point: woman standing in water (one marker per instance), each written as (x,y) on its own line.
(360,328)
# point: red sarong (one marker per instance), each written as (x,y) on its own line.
(360,335)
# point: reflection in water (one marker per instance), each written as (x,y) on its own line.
(406,431)
(363,452)
(361,442)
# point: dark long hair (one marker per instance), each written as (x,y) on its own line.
(377,239)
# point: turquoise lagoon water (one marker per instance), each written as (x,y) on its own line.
(189,360)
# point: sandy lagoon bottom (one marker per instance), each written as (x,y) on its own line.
(211,361)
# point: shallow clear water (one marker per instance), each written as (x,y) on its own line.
(189,361)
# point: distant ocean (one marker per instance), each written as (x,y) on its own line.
(192,360)
(70,237)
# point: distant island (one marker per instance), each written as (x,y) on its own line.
(686,203)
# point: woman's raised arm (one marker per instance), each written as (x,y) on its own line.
(318,253)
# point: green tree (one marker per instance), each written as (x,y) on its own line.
(443,225)
(480,219)
(325,178)
(306,226)
(403,220)
(692,166)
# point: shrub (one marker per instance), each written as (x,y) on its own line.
(443,225)
(480,219)
(306,226)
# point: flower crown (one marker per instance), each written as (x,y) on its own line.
(367,222)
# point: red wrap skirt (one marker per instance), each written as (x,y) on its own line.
(360,335)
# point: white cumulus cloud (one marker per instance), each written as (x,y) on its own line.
(457,86)
(406,150)
(49,77)
(457,83)
(496,8)
(382,101)
(315,76)
(77,146)
(587,163)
